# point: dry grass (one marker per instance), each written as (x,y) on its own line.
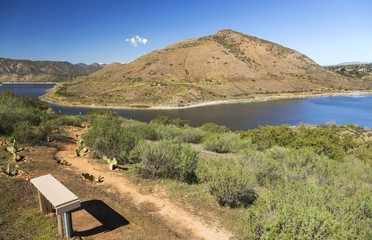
(223,66)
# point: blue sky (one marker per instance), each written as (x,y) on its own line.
(328,31)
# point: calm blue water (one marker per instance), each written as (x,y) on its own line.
(29,90)
(240,116)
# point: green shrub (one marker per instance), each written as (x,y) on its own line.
(167,159)
(191,135)
(223,143)
(364,151)
(103,112)
(185,134)
(302,210)
(228,181)
(9,117)
(267,137)
(168,132)
(214,128)
(326,140)
(14,109)
(24,133)
(265,170)
(69,120)
(141,130)
(279,166)
(165,120)
(108,138)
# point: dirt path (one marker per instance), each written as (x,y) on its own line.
(176,218)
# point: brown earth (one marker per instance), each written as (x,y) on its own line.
(117,208)
(225,66)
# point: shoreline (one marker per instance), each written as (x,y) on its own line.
(254,98)
(30,83)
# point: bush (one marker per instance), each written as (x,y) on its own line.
(228,181)
(141,130)
(14,110)
(167,159)
(266,171)
(49,127)
(103,112)
(304,211)
(223,143)
(168,132)
(214,128)
(165,120)
(107,137)
(326,140)
(191,135)
(279,166)
(23,132)
(267,137)
(69,120)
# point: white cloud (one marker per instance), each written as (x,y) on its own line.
(136,40)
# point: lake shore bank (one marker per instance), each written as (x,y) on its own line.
(253,98)
(29,83)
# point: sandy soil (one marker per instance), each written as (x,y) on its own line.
(185,224)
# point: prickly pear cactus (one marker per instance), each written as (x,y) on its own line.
(92,179)
(111,162)
(82,148)
(10,171)
(13,149)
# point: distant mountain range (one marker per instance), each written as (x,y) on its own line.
(353,63)
(224,66)
(43,71)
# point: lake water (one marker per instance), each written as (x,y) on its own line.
(240,116)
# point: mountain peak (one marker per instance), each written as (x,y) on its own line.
(226,65)
(225,31)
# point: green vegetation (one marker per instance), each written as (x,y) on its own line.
(214,128)
(91,178)
(293,182)
(15,111)
(329,140)
(141,130)
(22,220)
(353,70)
(170,121)
(111,162)
(27,120)
(305,182)
(228,181)
(222,143)
(167,159)
(108,138)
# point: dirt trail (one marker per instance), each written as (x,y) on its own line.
(176,218)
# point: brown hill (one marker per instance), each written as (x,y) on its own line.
(227,65)
(12,70)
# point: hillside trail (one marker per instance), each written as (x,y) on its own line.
(176,218)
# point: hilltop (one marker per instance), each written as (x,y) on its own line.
(42,71)
(225,66)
